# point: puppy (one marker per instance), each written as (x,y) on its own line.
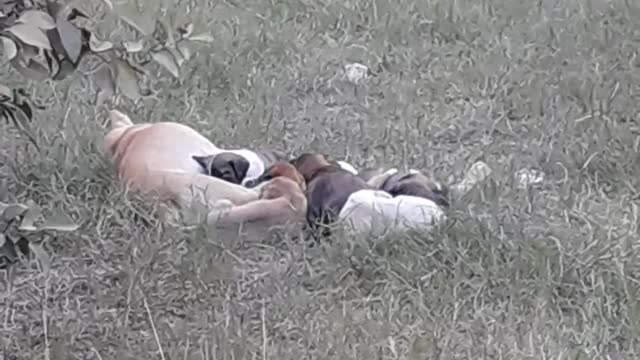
(281,201)
(328,187)
(402,201)
(411,183)
(375,212)
(238,166)
(157,158)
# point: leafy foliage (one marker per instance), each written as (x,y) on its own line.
(27,219)
(47,40)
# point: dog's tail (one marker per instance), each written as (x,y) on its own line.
(119,124)
(119,120)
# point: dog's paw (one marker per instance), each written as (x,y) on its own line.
(222,204)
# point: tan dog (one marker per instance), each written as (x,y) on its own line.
(157,158)
(282,200)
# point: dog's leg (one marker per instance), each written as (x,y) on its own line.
(268,211)
(187,189)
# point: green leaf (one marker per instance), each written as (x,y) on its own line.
(31,35)
(127,79)
(41,255)
(167,60)
(109,4)
(185,50)
(105,83)
(12,211)
(9,48)
(5,94)
(30,69)
(204,37)
(133,46)
(97,45)
(33,214)
(71,38)
(65,68)
(187,30)
(8,254)
(59,221)
(144,23)
(37,18)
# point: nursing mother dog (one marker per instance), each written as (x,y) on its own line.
(335,195)
(157,159)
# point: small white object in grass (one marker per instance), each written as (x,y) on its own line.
(478,172)
(356,72)
(528,177)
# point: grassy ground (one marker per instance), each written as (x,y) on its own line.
(546,273)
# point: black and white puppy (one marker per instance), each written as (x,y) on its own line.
(412,183)
(239,166)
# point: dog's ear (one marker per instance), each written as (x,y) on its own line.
(204,161)
(240,167)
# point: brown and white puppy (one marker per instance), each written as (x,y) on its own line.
(409,183)
(281,201)
(328,187)
(157,158)
(239,166)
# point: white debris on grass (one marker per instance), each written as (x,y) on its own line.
(477,173)
(529,177)
(356,72)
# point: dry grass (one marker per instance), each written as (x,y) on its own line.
(549,273)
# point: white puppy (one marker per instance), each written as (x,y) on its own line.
(374,212)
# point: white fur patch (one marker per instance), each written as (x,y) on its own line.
(375,212)
(346,166)
(391,171)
